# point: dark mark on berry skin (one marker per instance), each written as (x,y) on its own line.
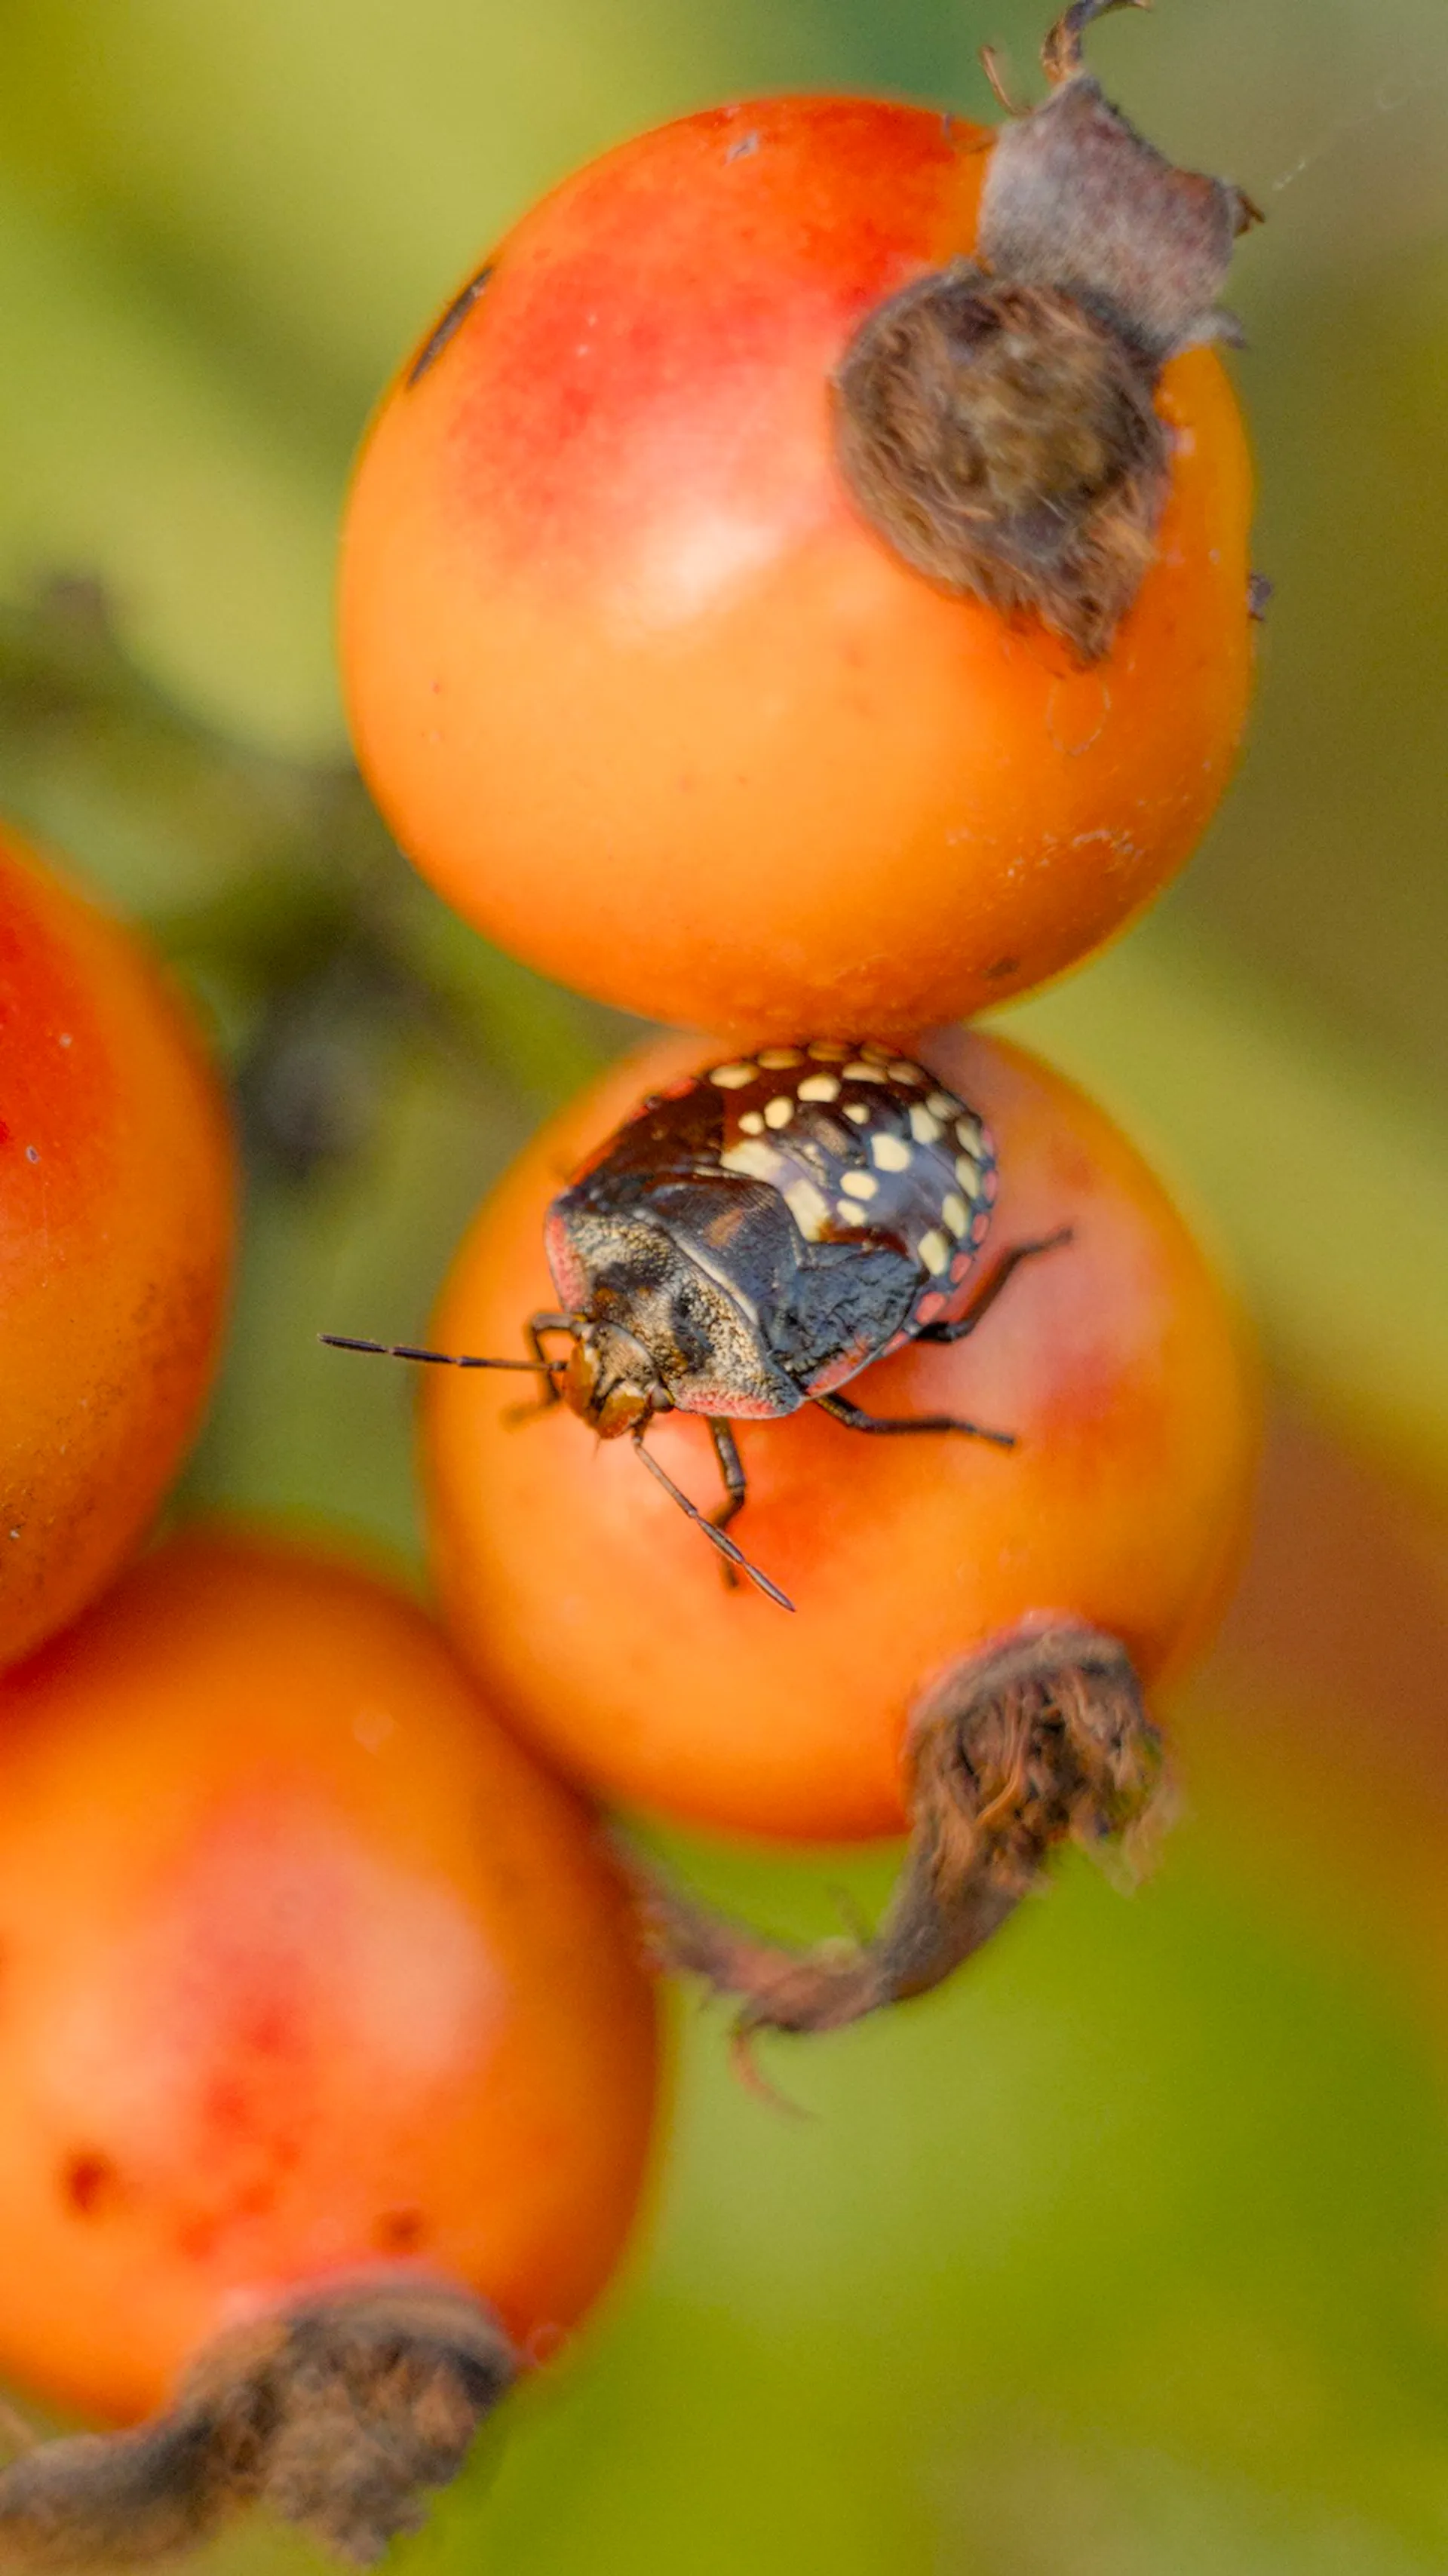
(400,2231)
(88,2184)
(741,150)
(1259,596)
(32,1153)
(452,320)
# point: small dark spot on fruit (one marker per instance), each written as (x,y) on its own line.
(399,2231)
(32,1153)
(1259,595)
(89,2183)
(741,150)
(1003,966)
(452,320)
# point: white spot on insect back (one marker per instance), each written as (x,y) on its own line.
(828,1051)
(752,1156)
(820,1086)
(751,1122)
(732,1077)
(859,1185)
(779,1112)
(849,1213)
(903,1072)
(967,1173)
(934,1251)
(943,1103)
(955,1212)
(858,1111)
(889,1152)
(968,1131)
(925,1127)
(859,1071)
(809,1208)
(779,1059)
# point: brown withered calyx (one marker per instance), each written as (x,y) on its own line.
(336,2414)
(995,420)
(1039,1740)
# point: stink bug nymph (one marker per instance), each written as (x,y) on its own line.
(750,1240)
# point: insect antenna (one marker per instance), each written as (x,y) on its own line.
(439,1359)
(716,1537)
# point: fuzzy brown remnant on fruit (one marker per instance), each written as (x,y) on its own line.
(1040,1740)
(995,419)
(1005,441)
(335,2414)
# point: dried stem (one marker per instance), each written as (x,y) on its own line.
(995,419)
(1041,1739)
(335,2413)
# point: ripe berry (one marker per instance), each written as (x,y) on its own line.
(802,581)
(754,1237)
(600,1624)
(117,1192)
(327,2060)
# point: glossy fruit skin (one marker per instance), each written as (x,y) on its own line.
(308,1967)
(602,1628)
(117,1216)
(644,696)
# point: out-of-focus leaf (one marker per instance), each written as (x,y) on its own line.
(125,453)
(1311,1160)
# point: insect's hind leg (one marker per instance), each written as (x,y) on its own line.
(990,1287)
(854,1418)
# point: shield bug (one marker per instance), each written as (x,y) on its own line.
(751,1239)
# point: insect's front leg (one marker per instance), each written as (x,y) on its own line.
(736,1485)
(731,1468)
(535,1328)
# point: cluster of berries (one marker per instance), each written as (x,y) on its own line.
(799,589)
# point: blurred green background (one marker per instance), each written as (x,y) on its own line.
(1130,2256)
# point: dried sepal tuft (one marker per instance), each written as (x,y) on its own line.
(1076,199)
(1006,443)
(1040,1740)
(335,2414)
(995,419)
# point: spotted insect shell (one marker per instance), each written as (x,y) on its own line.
(831,1196)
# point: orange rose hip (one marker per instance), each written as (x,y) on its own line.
(600,1622)
(976,1618)
(803,579)
(326,2037)
(117,1213)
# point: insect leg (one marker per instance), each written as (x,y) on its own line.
(840,1409)
(702,1521)
(535,1328)
(731,1468)
(990,1288)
